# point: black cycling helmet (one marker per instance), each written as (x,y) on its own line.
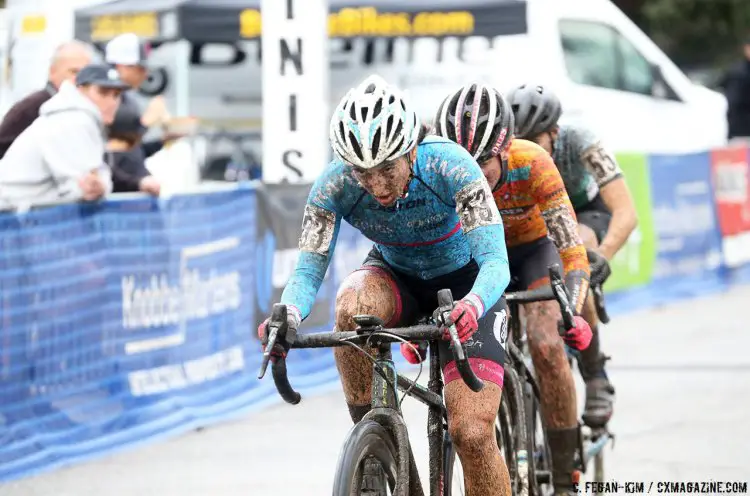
(478,118)
(536,107)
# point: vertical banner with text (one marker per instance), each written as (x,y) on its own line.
(729,171)
(295,89)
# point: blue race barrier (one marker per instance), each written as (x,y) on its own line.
(133,319)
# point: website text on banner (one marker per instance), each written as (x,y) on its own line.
(133,319)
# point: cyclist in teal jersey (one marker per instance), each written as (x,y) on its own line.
(424,203)
(604,208)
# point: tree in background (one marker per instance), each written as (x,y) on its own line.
(694,33)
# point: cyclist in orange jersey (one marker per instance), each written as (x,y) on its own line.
(540,229)
(604,208)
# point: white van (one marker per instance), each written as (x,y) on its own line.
(608,73)
(612,76)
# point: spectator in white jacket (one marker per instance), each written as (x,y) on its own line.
(60,156)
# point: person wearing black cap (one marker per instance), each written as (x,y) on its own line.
(737,92)
(126,157)
(60,156)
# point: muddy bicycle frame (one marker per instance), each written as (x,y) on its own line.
(598,438)
(386,409)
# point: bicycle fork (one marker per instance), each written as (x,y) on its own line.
(437,435)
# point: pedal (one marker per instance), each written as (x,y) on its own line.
(543,477)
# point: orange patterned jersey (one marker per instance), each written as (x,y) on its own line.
(533,204)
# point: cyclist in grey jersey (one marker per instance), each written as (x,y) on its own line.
(583,164)
(604,208)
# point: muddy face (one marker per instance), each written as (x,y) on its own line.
(387,182)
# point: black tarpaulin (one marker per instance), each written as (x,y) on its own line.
(232,20)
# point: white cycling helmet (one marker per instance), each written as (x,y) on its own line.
(372,124)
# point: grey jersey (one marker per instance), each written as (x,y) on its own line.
(584,164)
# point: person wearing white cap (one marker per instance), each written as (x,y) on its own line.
(129,55)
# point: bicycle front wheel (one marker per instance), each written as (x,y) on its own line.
(455,478)
(453,472)
(367,465)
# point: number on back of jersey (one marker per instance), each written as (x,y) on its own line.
(601,164)
(475,206)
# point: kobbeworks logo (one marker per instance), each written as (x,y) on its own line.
(196,295)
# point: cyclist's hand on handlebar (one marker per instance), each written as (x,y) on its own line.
(415,353)
(283,341)
(579,337)
(464,315)
(600,269)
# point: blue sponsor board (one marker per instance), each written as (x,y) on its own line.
(111,312)
(688,239)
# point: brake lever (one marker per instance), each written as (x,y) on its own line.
(273,332)
(445,312)
(275,325)
(562,297)
(456,342)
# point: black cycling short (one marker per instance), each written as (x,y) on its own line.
(417,298)
(595,215)
(529,264)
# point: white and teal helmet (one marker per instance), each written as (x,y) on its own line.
(372,124)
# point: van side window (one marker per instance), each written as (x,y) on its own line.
(590,52)
(635,69)
(597,54)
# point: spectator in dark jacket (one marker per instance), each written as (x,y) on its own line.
(737,91)
(126,157)
(67,60)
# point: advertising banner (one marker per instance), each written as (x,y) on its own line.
(731,182)
(688,239)
(111,310)
(633,264)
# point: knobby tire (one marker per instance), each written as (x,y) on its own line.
(367,439)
